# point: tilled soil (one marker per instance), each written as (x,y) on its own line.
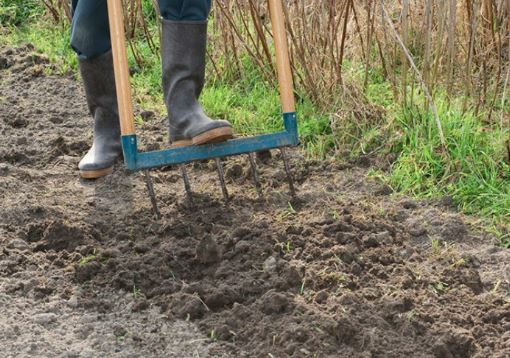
(343,270)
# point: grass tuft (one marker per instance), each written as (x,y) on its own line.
(476,175)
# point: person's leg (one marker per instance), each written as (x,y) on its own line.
(91,40)
(183,51)
(90,31)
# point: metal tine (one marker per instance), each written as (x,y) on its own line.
(255,174)
(152,195)
(221,175)
(288,172)
(187,185)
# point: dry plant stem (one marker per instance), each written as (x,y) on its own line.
(427,56)
(259,28)
(439,43)
(67,9)
(147,34)
(452,23)
(248,32)
(130,28)
(370,31)
(59,10)
(52,9)
(245,45)
(359,31)
(473,23)
(391,61)
(405,30)
(420,79)
(344,35)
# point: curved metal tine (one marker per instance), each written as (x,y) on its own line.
(221,175)
(187,185)
(255,174)
(152,195)
(288,172)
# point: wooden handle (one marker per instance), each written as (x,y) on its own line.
(121,69)
(282,56)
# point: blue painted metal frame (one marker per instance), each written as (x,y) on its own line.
(146,160)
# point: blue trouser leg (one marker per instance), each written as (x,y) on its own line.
(90,34)
(185,10)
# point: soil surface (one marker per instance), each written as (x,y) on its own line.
(346,269)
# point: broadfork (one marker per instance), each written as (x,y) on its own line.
(143,161)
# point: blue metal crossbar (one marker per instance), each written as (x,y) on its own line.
(146,160)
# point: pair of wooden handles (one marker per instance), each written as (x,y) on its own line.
(123,86)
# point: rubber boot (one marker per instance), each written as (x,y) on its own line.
(183,51)
(99,82)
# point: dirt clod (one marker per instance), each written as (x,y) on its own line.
(208,251)
(188,306)
(454,344)
(274,302)
(59,236)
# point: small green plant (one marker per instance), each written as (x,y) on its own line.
(439,287)
(435,246)
(137,293)
(409,316)
(288,247)
(505,242)
(496,287)
(288,213)
(213,336)
(335,214)
(139,120)
(89,258)
(458,262)
(285,247)
(302,288)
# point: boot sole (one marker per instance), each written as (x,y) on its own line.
(216,135)
(181,143)
(95,174)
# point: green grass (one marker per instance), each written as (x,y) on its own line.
(18,12)
(476,174)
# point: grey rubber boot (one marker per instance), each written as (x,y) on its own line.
(183,50)
(99,82)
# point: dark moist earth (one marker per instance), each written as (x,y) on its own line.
(344,270)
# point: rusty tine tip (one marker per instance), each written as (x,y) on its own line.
(152,195)
(221,175)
